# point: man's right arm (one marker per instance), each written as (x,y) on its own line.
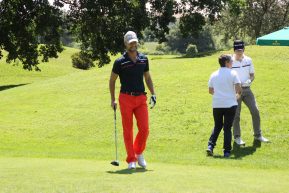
(112,81)
(237,83)
(210,84)
(211,90)
(238,89)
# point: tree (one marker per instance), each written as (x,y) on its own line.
(32,28)
(29,29)
(253,18)
(265,16)
(101,24)
(194,14)
(177,42)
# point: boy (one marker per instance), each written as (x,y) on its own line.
(224,84)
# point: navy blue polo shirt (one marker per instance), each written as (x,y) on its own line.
(130,73)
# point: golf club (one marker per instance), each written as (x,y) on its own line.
(115,162)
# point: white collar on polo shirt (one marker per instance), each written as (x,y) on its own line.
(243,57)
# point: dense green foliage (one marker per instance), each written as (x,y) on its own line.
(191,50)
(100,25)
(177,42)
(29,29)
(32,29)
(250,19)
(82,61)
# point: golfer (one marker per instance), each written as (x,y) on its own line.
(244,67)
(223,85)
(132,67)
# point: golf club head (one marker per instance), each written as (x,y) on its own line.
(115,163)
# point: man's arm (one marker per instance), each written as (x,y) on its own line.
(248,82)
(211,90)
(252,76)
(112,81)
(149,82)
(238,88)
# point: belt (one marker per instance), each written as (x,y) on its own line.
(133,93)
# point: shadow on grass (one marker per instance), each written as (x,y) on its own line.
(5,87)
(129,171)
(239,152)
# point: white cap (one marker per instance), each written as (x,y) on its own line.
(129,37)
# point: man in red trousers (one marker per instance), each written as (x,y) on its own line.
(132,68)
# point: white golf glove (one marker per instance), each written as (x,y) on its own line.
(247,83)
(153,101)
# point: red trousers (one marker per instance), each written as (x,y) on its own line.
(137,106)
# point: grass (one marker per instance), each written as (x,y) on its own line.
(66,175)
(57,130)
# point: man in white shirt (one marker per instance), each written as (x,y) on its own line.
(223,85)
(244,67)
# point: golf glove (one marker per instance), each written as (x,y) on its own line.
(247,83)
(153,101)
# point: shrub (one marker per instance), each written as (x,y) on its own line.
(81,61)
(160,48)
(191,50)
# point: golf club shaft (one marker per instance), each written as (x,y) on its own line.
(115,134)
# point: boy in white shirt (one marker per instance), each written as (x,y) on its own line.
(223,85)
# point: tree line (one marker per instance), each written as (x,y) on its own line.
(32,30)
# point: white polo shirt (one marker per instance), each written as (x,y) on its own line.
(223,81)
(243,68)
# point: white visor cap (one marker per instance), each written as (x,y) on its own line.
(129,37)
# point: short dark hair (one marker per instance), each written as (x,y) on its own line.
(223,59)
(239,45)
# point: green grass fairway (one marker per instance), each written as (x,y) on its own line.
(66,175)
(56,130)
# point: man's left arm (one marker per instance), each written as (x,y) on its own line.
(252,71)
(252,74)
(150,85)
(149,82)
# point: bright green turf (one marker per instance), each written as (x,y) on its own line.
(66,175)
(13,74)
(65,113)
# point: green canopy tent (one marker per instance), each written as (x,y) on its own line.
(278,38)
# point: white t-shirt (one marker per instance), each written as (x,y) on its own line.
(223,81)
(243,68)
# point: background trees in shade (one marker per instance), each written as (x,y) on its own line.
(29,30)
(34,30)
(250,19)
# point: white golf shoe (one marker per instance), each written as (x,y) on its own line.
(131,165)
(141,161)
(239,141)
(262,139)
